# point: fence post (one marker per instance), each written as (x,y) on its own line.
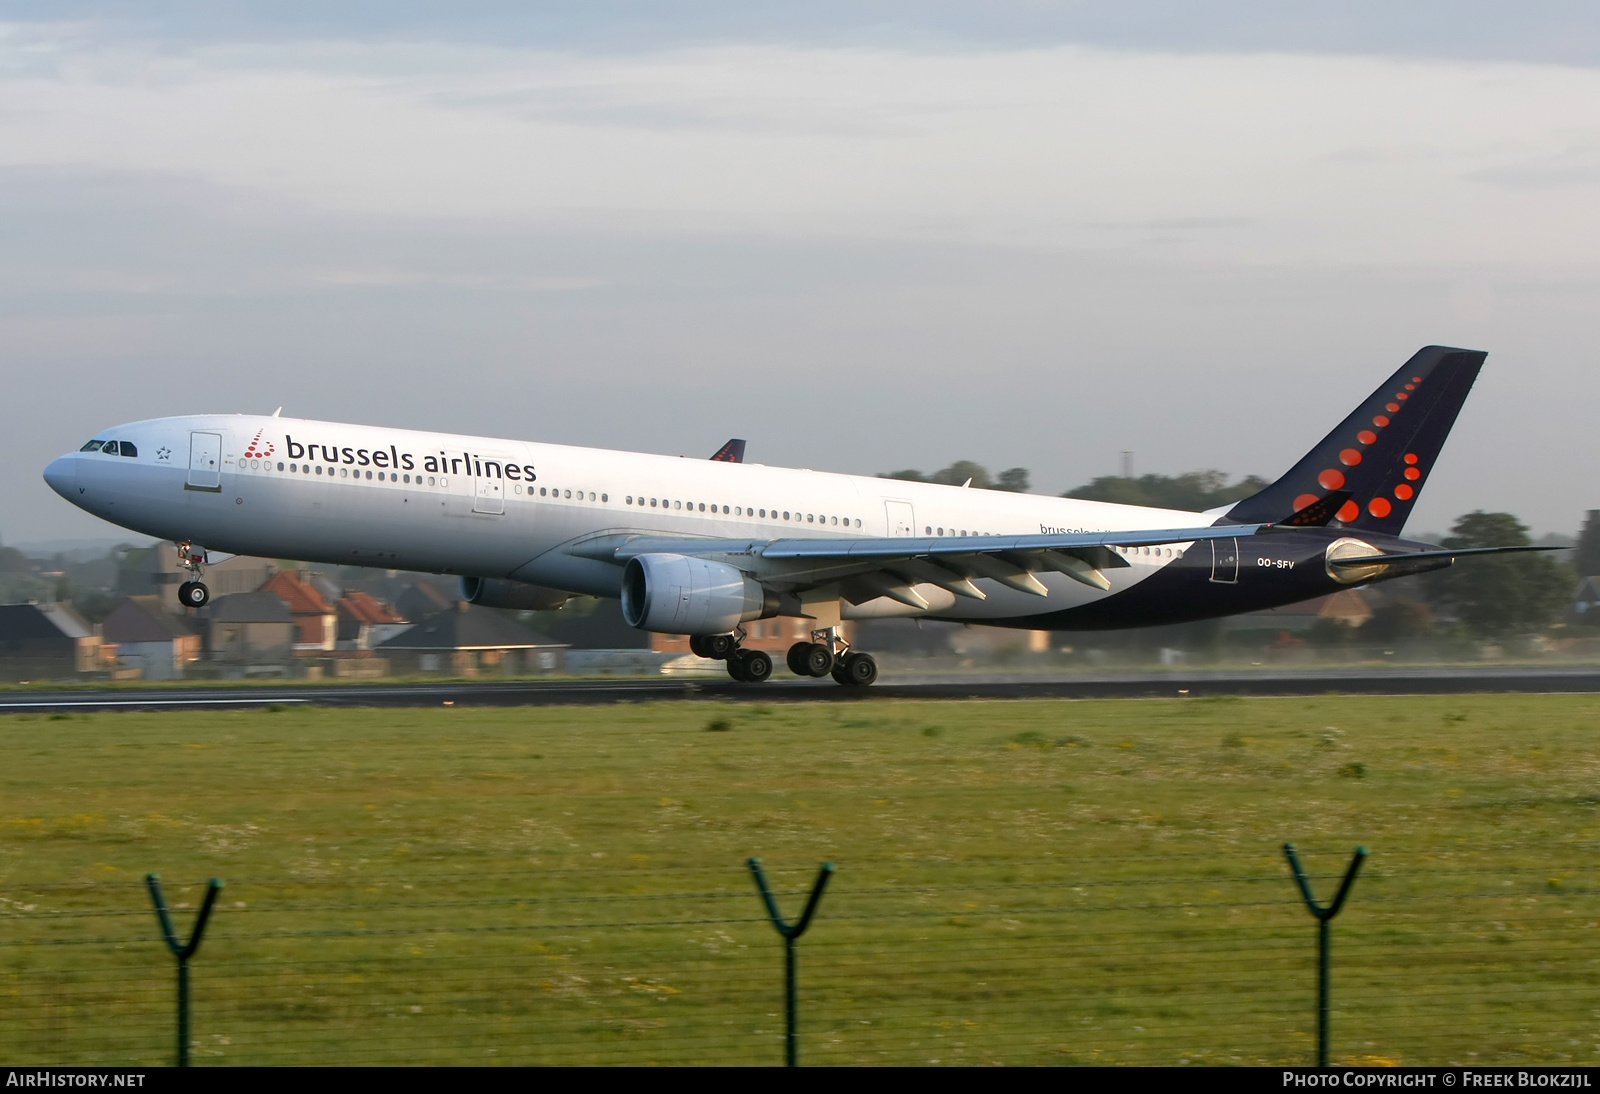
(182,952)
(1324,916)
(790,933)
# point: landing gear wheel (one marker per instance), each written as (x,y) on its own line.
(818,660)
(719,646)
(193,594)
(796,658)
(750,666)
(697,645)
(857,670)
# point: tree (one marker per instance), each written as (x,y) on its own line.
(1193,491)
(1504,595)
(1586,559)
(1014,479)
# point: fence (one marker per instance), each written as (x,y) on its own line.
(1444,954)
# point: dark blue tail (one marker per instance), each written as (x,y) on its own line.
(732,452)
(1383,453)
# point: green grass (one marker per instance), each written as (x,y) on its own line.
(1020,882)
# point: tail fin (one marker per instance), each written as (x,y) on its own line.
(732,452)
(1381,454)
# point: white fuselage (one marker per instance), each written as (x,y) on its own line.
(486,507)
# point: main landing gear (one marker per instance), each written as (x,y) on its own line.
(193,593)
(827,654)
(746,666)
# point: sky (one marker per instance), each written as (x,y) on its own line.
(862,236)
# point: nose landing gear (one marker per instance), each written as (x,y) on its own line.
(193,593)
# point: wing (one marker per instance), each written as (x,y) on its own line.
(867,567)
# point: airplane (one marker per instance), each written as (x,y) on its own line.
(701,547)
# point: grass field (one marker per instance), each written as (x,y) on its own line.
(1019,882)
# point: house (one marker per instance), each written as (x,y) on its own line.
(470,641)
(48,642)
(151,639)
(423,601)
(1347,606)
(1586,603)
(365,621)
(249,634)
(316,621)
(154,571)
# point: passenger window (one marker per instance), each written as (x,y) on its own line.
(569,493)
(603,497)
(319,469)
(280,467)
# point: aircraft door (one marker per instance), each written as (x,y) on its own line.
(1225,561)
(489,493)
(902,520)
(205,462)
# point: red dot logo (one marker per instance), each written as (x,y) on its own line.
(1350,457)
(1381,420)
(1411,457)
(1349,511)
(1366,436)
(1392,408)
(1402,396)
(1403,492)
(1413,474)
(1411,387)
(1379,507)
(1416,379)
(1304,500)
(1331,479)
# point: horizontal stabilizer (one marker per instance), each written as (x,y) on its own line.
(1423,556)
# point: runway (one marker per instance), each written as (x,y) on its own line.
(1453,680)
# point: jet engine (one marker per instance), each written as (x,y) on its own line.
(676,594)
(496,592)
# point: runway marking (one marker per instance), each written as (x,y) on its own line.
(151,702)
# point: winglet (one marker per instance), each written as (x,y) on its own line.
(732,452)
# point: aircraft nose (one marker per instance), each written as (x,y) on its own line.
(62,475)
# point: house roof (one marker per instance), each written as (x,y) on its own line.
(260,607)
(469,629)
(301,597)
(139,619)
(366,608)
(36,622)
(422,599)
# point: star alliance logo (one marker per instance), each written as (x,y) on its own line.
(164,453)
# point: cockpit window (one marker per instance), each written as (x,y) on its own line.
(128,449)
(109,447)
(92,446)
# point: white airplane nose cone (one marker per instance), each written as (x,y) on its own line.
(62,475)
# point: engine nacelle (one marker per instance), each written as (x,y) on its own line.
(497,592)
(676,594)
